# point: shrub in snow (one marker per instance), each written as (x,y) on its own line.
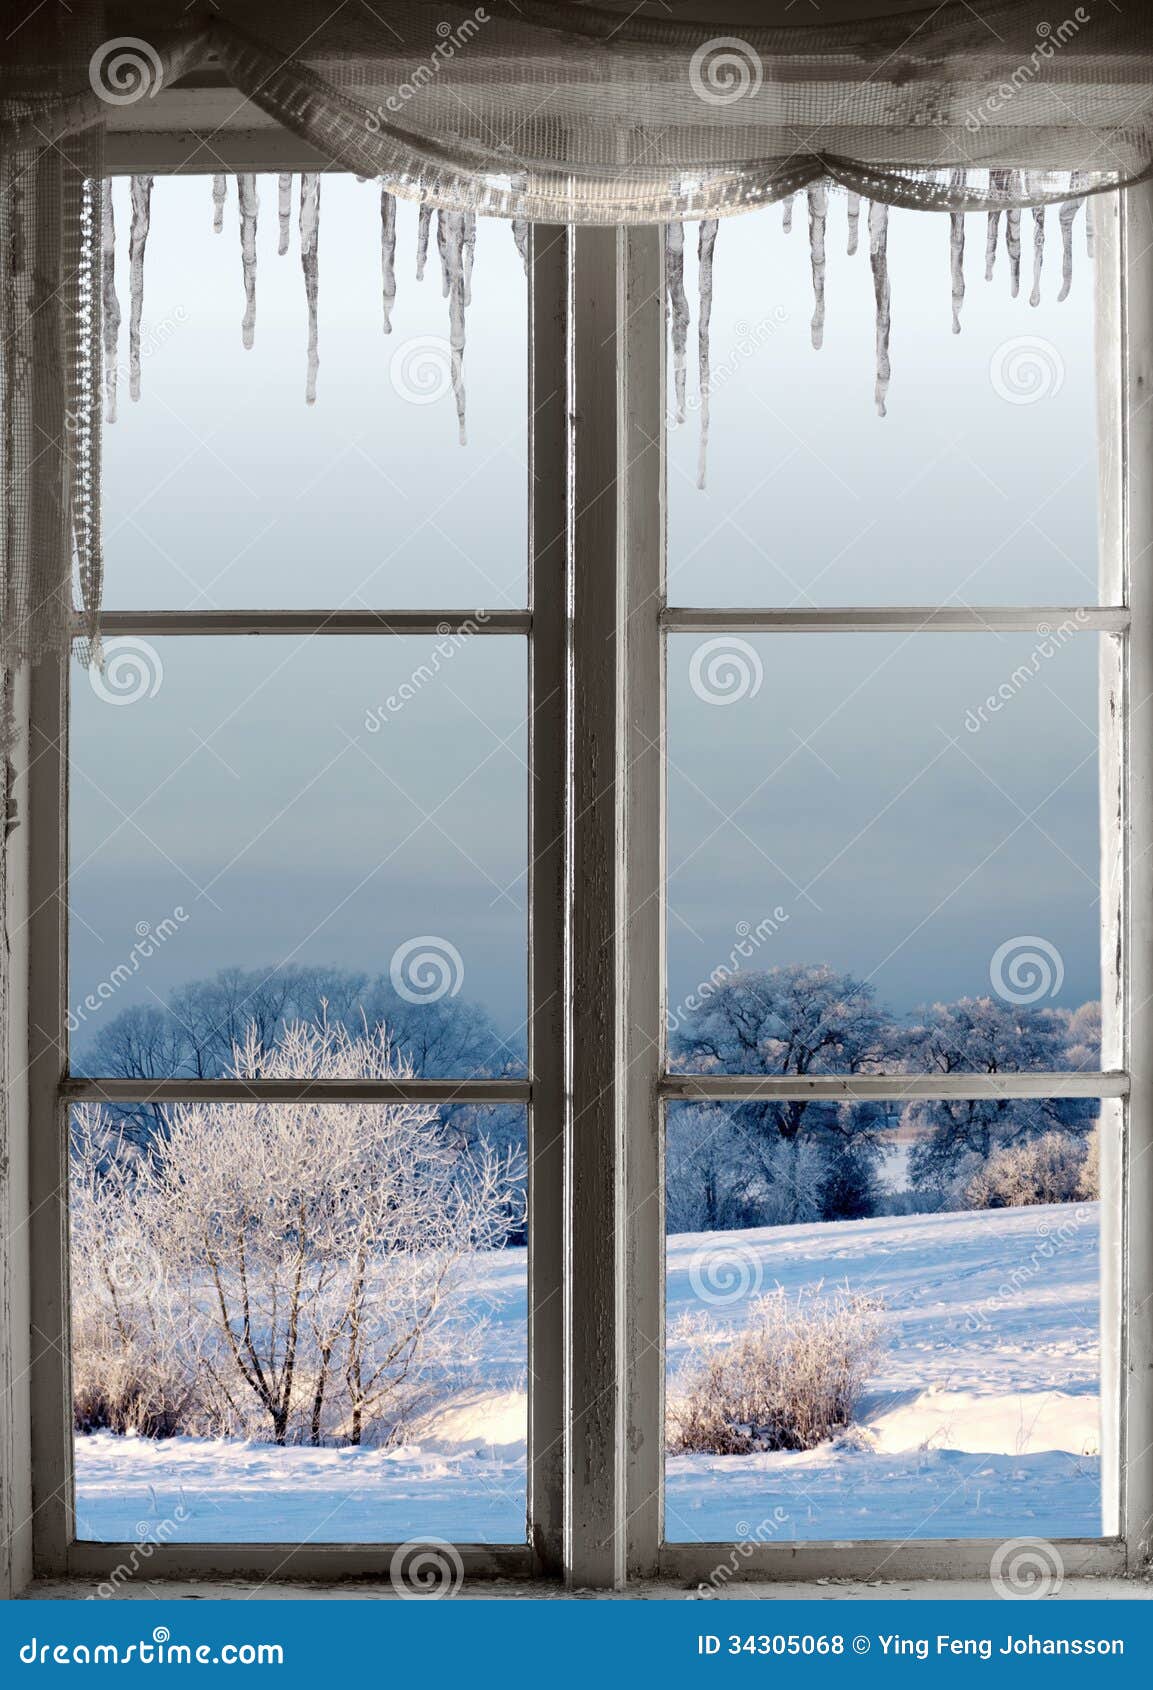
(309,1251)
(789,1380)
(1049,1169)
(1089,1179)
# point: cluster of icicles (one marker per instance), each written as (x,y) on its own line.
(455,241)
(817,197)
(456,246)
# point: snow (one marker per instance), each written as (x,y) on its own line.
(982,1419)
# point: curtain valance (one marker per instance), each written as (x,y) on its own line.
(532,110)
(555,112)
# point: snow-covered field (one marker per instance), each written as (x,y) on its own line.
(981,1421)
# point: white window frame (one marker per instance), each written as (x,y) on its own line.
(597,627)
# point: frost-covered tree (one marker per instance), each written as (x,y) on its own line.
(799,1019)
(195,1034)
(955,1138)
(319,1244)
(135,1332)
(711,1183)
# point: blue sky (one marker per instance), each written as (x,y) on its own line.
(248,787)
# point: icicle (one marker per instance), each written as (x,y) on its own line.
(444,235)
(137,243)
(787,214)
(998,183)
(818,213)
(1038,252)
(387,257)
(468,253)
(284,209)
(1065,219)
(1089,220)
(991,244)
(452,240)
(879,258)
(110,301)
(707,242)
(1013,234)
(1013,248)
(219,192)
(957,264)
(957,251)
(422,229)
(854,222)
(309,236)
(678,308)
(520,236)
(249,206)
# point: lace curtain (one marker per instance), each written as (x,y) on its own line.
(533,111)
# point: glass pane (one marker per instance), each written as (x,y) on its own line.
(223,488)
(268,828)
(883,852)
(875,1331)
(388,1240)
(978,487)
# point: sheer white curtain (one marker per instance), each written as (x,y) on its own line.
(528,110)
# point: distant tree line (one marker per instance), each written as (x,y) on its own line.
(748,1164)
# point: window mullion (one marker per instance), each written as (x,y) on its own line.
(51,1366)
(549,272)
(1131,820)
(613,1207)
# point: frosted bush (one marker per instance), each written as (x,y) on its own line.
(789,1380)
(1055,1168)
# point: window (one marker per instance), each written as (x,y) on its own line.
(665,783)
